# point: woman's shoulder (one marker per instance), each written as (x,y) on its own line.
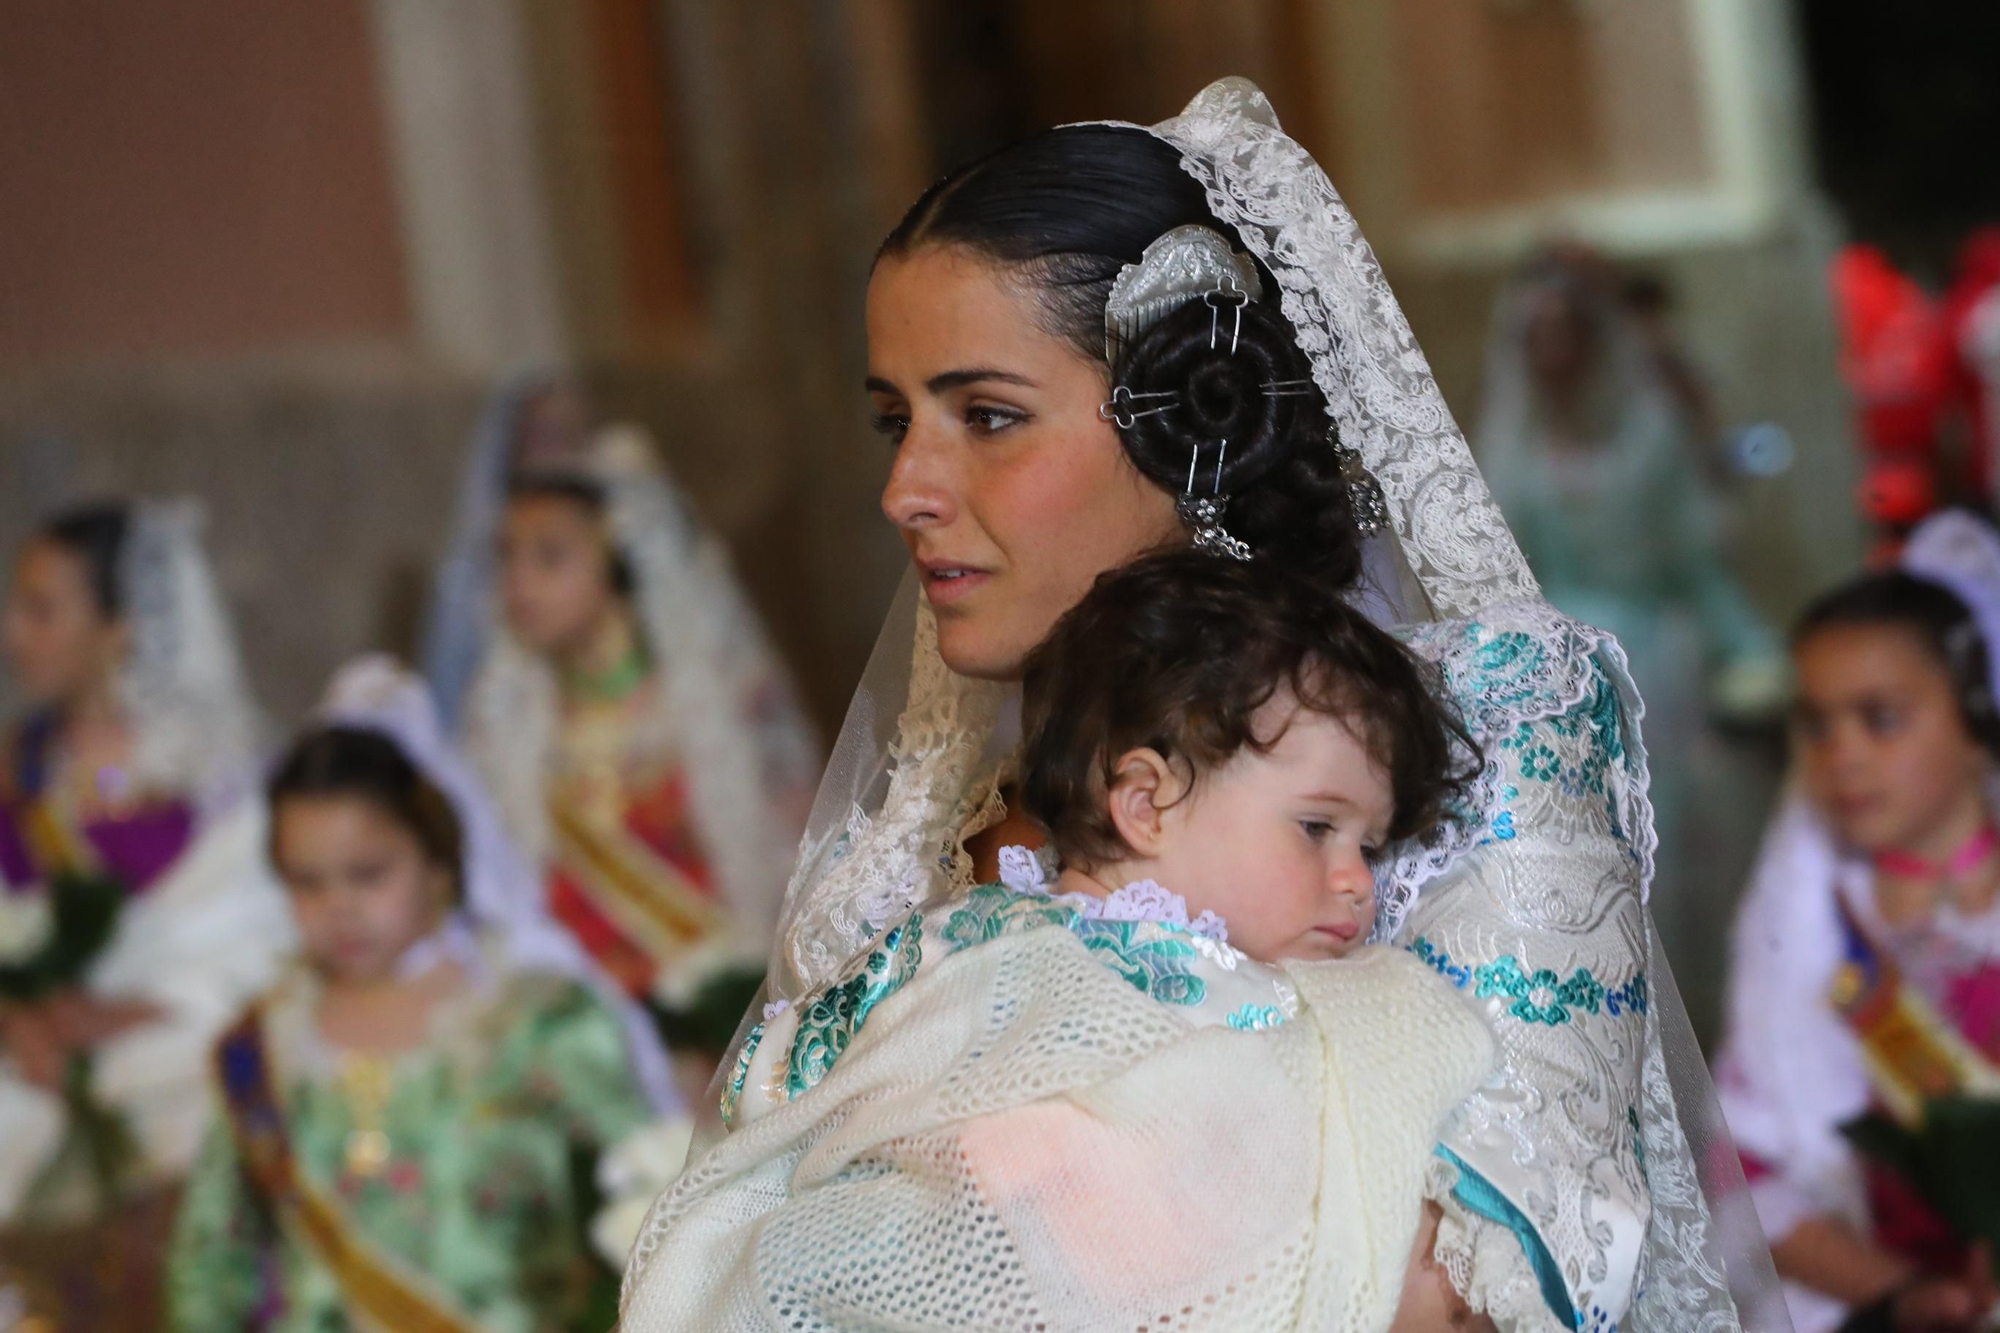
(1550,703)
(1518,661)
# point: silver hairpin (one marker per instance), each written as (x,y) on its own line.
(1119,407)
(1225,290)
(1287,388)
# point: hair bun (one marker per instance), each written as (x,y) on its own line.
(1252,387)
(1238,393)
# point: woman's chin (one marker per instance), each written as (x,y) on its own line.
(970,650)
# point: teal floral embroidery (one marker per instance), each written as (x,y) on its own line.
(828,1023)
(1155,957)
(1539,763)
(1440,962)
(1541,996)
(1255,1018)
(993,910)
(732,1091)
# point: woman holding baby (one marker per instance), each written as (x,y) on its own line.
(1073,1018)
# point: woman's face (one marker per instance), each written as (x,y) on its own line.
(554,573)
(362,888)
(1886,754)
(1012,494)
(60,643)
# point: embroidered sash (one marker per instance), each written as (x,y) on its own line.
(652,903)
(383,1295)
(1912,1053)
(55,839)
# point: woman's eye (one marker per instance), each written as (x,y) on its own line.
(890,426)
(993,420)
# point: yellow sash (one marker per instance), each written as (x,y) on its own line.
(1912,1053)
(383,1294)
(649,899)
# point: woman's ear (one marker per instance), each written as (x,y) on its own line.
(1144,785)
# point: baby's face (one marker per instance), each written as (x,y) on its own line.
(1279,845)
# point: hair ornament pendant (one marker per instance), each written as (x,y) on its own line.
(1365,501)
(1203,514)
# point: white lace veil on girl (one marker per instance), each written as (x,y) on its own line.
(503,894)
(919,761)
(182,683)
(727,708)
(455,626)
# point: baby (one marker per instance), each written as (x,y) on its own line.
(1124,1090)
(1221,739)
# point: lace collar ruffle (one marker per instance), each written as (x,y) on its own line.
(1025,870)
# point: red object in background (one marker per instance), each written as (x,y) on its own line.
(1896,358)
(1973,385)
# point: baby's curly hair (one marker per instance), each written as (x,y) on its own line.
(1179,652)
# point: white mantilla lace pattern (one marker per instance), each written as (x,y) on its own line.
(1531,902)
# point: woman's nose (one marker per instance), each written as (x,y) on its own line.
(919,493)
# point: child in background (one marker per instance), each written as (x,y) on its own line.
(641,740)
(410,1115)
(1866,973)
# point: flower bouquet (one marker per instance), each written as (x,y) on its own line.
(1951,1161)
(48,941)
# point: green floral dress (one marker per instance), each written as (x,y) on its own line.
(467,1159)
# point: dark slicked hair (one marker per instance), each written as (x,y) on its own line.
(1063,211)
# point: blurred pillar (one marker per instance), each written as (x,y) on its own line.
(461,114)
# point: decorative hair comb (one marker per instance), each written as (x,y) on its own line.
(1187,264)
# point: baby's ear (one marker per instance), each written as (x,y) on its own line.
(1144,785)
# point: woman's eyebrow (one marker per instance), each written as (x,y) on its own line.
(958,379)
(953,379)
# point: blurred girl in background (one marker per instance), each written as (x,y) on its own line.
(640,737)
(535,422)
(1865,989)
(412,1114)
(133,916)
(1601,474)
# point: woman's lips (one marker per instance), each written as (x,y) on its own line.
(945,584)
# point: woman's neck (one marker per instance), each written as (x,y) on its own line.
(608,663)
(94,709)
